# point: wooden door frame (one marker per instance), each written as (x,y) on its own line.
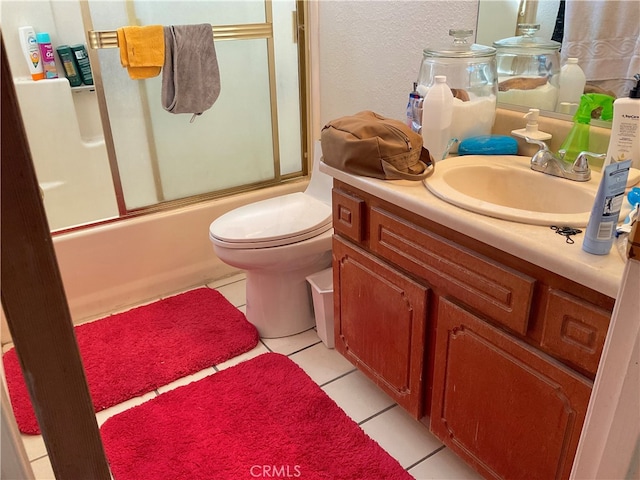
(36,308)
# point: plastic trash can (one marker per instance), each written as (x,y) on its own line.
(322,293)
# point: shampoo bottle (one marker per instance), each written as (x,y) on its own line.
(624,143)
(46,53)
(84,66)
(29,43)
(437,112)
(69,64)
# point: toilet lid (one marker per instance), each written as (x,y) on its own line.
(275,221)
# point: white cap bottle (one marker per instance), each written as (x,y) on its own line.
(572,81)
(437,112)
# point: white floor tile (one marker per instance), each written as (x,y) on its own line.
(227,280)
(322,364)
(406,439)
(235,292)
(444,465)
(187,380)
(34,446)
(258,350)
(103,415)
(358,396)
(42,469)
(293,343)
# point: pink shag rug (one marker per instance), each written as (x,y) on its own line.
(131,353)
(263,418)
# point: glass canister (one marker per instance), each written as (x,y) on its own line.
(528,69)
(471,74)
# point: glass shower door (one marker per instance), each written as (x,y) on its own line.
(252,134)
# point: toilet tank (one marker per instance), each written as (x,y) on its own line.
(320,183)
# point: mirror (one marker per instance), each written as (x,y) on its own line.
(606,43)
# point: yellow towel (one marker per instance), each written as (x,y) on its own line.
(142,50)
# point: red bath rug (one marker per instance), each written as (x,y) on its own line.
(131,353)
(264,418)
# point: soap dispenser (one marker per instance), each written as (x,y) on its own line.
(531,130)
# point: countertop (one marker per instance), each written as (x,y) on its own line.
(536,244)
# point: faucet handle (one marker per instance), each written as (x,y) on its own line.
(543,146)
(581,165)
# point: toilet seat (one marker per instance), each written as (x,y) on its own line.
(272,222)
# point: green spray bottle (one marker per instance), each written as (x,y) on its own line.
(578,139)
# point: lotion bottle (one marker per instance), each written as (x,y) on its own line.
(624,143)
(31,50)
(437,113)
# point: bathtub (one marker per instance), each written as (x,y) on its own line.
(110,267)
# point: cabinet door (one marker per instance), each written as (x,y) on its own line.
(509,410)
(380,317)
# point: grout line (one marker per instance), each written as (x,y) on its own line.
(266,346)
(439,449)
(305,348)
(378,414)
(338,377)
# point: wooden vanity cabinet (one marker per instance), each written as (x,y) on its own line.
(507,409)
(494,354)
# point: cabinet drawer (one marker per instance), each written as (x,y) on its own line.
(575,330)
(493,289)
(348,215)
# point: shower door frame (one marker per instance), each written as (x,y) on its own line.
(108,39)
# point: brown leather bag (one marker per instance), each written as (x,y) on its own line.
(374,146)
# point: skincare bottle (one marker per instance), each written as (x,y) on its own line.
(437,113)
(598,237)
(572,81)
(46,53)
(84,66)
(625,130)
(29,43)
(70,67)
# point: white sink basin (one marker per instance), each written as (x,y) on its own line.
(505,187)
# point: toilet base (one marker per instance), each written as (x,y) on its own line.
(279,304)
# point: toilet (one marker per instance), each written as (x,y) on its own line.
(279,242)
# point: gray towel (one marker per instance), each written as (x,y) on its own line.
(190,75)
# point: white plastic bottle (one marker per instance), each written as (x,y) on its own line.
(437,112)
(624,143)
(31,52)
(572,81)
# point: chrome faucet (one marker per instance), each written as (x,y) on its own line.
(546,162)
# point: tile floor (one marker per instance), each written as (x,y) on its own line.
(417,450)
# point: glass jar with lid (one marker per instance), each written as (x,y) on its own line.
(528,69)
(471,74)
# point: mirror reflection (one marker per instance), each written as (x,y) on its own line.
(603,36)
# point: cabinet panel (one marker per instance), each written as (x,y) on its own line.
(348,215)
(511,411)
(380,320)
(575,330)
(495,290)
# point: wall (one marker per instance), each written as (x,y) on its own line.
(371,51)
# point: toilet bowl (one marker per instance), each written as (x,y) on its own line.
(279,242)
